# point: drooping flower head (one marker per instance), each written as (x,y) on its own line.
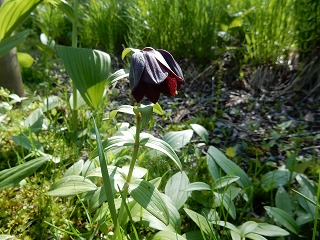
(153,72)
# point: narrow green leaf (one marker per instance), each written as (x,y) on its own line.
(116,76)
(283,218)
(107,183)
(12,176)
(224,199)
(70,186)
(13,13)
(127,50)
(197,186)
(201,221)
(157,109)
(230,168)
(201,131)
(178,139)
(167,235)
(8,43)
(149,198)
(174,188)
(88,70)
(224,181)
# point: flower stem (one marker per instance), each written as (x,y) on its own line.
(132,164)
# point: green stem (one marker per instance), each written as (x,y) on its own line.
(74,44)
(132,163)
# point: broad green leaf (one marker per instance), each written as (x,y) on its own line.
(255,236)
(178,139)
(201,221)
(27,142)
(174,188)
(201,131)
(283,200)
(13,13)
(146,112)
(124,109)
(25,59)
(88,70)
(269,230)
(197,186)
(35,120)
(70,186)
(235,235)
(142,216)
(283,218)
(275,179)
(127,50)
(229,167)
(162,146)
(8,43)
(149,198)
(228,225)
(247,227)
(12,176)
(75,169)
(167,235)
(50,103)
(224,181)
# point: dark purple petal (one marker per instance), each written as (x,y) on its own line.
(154,73)
(151,91)
(137,67)
(174,66)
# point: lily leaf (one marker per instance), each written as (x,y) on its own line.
(149,198)
(201,131)
(12,176)
(8,43)
(174,188)
(283,218)
(201,221)
(162,146)
(88,69)
(13,13)
(217,158)
(71,185)
(178,139)
(167,235)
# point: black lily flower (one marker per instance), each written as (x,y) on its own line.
(153,72)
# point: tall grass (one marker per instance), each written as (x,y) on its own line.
(270,30)
(201,30)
